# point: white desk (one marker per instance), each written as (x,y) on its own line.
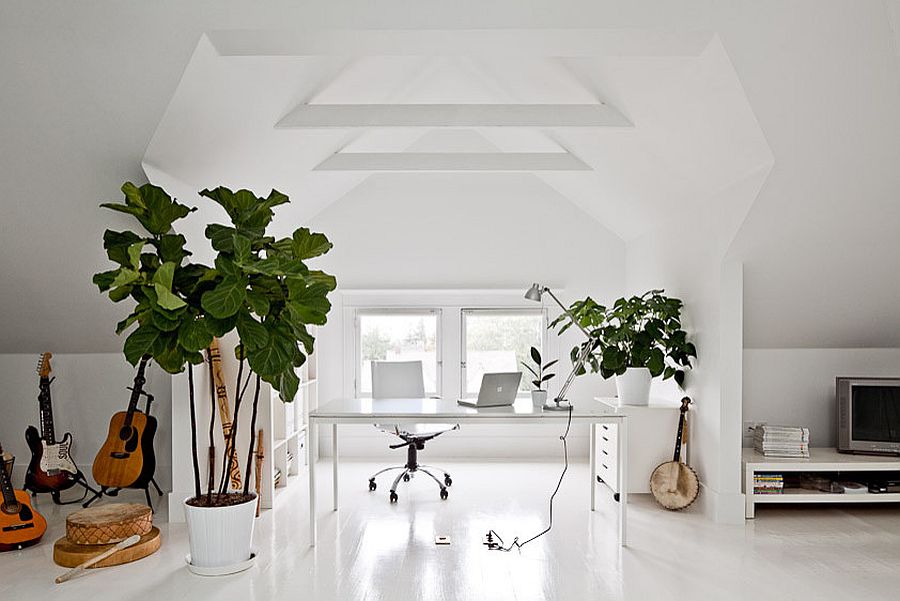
(400,411)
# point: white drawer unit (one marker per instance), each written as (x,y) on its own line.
(651,441)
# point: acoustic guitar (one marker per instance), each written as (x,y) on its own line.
(126,459)
(51,468)
(20,525)
(674,484)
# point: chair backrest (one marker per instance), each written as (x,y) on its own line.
(397,380)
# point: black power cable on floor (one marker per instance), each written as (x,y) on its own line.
(493,540)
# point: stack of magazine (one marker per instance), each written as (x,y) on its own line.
(781,441)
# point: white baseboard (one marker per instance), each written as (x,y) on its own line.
(722,508)
(163,475)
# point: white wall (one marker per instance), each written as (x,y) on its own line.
(88,389)
(796,386)
(487,232)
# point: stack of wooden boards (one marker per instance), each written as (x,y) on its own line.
(92,531)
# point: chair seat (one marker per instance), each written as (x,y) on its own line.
(416,429)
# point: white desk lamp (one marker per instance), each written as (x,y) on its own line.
(535,293)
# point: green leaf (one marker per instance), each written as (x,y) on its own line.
(221,237)
(134,254)
(225,299)
(258,302)
(679,377)
(125,276)
(656,362)
(116,245)
(126,323)
(161,211)
(194,336)
(140,343)
(309,304)
(163,322)
(171,248)
(220,327)
(252,333)
(162,283)
(536,356)
(320,277)
(241,247)
(308,245)
(271,359)
(105,279)
(288,385)
(133,195)
(260,215)
(120,293)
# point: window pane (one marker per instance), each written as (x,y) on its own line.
(398,337)
(498,341)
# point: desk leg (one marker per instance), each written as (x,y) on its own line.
(593,462)
(312,448)
(622,453)
(334,464)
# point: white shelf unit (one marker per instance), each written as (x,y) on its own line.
(284,428)
(820,460)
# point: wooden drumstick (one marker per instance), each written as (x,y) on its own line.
(131,540)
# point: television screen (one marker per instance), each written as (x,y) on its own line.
(876,413)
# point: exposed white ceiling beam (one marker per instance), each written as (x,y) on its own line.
(453,115)
(453,161)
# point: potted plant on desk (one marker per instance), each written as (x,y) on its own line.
(635,340)
(539,395)
(260,286)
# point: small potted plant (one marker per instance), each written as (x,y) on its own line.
(259,286)
(539,395)
(635,340)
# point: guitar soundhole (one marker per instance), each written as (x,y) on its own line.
(25,513)
(125,433)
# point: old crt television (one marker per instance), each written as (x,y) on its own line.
(868,415)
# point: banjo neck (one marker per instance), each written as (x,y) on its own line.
(679,436)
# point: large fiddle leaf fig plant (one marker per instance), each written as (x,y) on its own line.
(640,331)
(259,286)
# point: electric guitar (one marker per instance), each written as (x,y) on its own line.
(51,468)
(20,525)
(126,459)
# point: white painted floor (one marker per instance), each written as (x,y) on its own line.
(373,550)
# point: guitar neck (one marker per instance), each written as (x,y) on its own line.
(136,390)
(45,406)
(9,495)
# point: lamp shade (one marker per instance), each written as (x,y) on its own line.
(535,293)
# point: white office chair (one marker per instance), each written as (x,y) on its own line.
(403,380)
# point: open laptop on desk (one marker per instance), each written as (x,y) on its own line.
(497,390)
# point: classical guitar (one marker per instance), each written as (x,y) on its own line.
(51,468)
(20,525)
(126,459)
(674,484)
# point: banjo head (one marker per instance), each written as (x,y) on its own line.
(674,485)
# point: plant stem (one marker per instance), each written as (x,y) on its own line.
(252,437)
(212,422)
(194,431)
(232,436)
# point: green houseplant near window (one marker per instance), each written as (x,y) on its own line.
(260,286)
(635,340)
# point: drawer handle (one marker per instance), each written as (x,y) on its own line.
(605,438)
(605,466)
(605,427)
(604,451)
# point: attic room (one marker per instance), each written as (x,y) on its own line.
(346,300)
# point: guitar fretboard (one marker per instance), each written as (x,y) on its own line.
(45,405)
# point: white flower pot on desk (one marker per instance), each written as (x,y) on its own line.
(538,398)
(634,386)
(221,537)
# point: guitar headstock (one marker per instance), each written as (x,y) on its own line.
(43,366)
(684,404)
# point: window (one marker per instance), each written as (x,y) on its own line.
(398,335)
(498,340)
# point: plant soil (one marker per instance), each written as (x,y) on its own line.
(220,499)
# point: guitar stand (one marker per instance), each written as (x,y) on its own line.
(81,481)
(114,492)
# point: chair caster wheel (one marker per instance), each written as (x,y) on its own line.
(372,485)
(599,479)
(447,480)
(616,497)
(393,497)
(444,494)
(406,477)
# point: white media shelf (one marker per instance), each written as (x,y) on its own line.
(820,460)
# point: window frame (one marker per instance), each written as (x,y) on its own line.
(359,312)
(545,350)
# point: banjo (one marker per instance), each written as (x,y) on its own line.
(674,484)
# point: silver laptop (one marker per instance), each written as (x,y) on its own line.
(497,390)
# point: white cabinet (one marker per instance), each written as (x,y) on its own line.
(651,441)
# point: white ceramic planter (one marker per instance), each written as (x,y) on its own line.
(634,386)
(220,537)
(538,397)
